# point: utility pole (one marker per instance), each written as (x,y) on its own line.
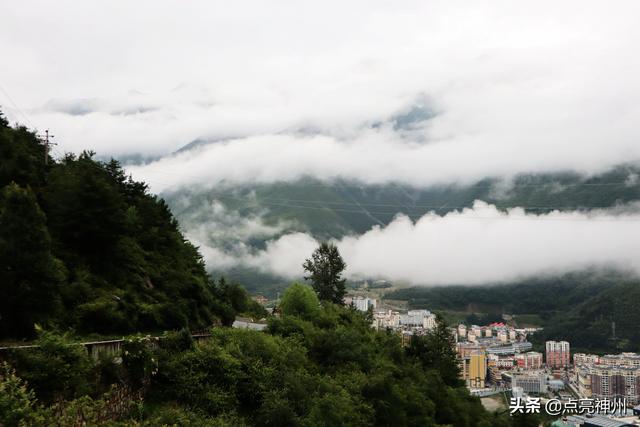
(47,145)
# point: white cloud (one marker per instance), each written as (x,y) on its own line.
(517,86)
(293,88)
(212,221)
(476,245)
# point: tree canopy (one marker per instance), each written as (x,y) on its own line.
(299,300)
(84,246)
(321,367)
(325,269)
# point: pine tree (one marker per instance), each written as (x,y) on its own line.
(436,351)
(325,269)
(29,273)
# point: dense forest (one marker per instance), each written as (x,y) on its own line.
(83,246)
(84,249)
(317,365)
(579,306)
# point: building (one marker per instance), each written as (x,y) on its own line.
(416,318)
(363,303)
(466,348)
(631,360)
(386,319)
(580,359)
(558,354)
(429,322)
(530,383)
(462,331)
(513,348)
(475,369)
(501,362)
(583,381)
(598,420)
(529,360)
(615,382)
(477,330)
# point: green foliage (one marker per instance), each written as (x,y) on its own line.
(328,368)
(321,368)
(139,360)
(237,300)
(325,269)
(177,341)
(16,400)
(83,246)
(436,350)
(299,300)
(589,325)
(55,369)
(30,276)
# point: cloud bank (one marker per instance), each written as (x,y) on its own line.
(316,87)
(418,92)
(472,246)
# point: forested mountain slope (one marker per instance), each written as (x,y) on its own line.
(83,246)
(580,307)
(333,209)
(262,212)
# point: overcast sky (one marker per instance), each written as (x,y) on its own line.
(509,86)
(419,92)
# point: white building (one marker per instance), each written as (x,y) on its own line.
(462,331)
(386,319)
(429,322)
(530,383)
(416,318)
(363,303)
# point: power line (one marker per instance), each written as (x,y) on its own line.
(502,217)
(436,186)
(444,206)
(15,106)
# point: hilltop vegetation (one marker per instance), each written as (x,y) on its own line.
(317,365)
(83,246)
(580,307)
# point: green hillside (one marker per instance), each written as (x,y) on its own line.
(579,307)
(334,209)
(83,246)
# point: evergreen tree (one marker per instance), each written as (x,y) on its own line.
(325,269)
(84,246)
(30,275)
(436,350)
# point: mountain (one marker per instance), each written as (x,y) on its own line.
(581,307)
(325,210)
(84,247)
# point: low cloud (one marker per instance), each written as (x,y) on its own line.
(475,245)
(373,156)
(212,221)
(491,87)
